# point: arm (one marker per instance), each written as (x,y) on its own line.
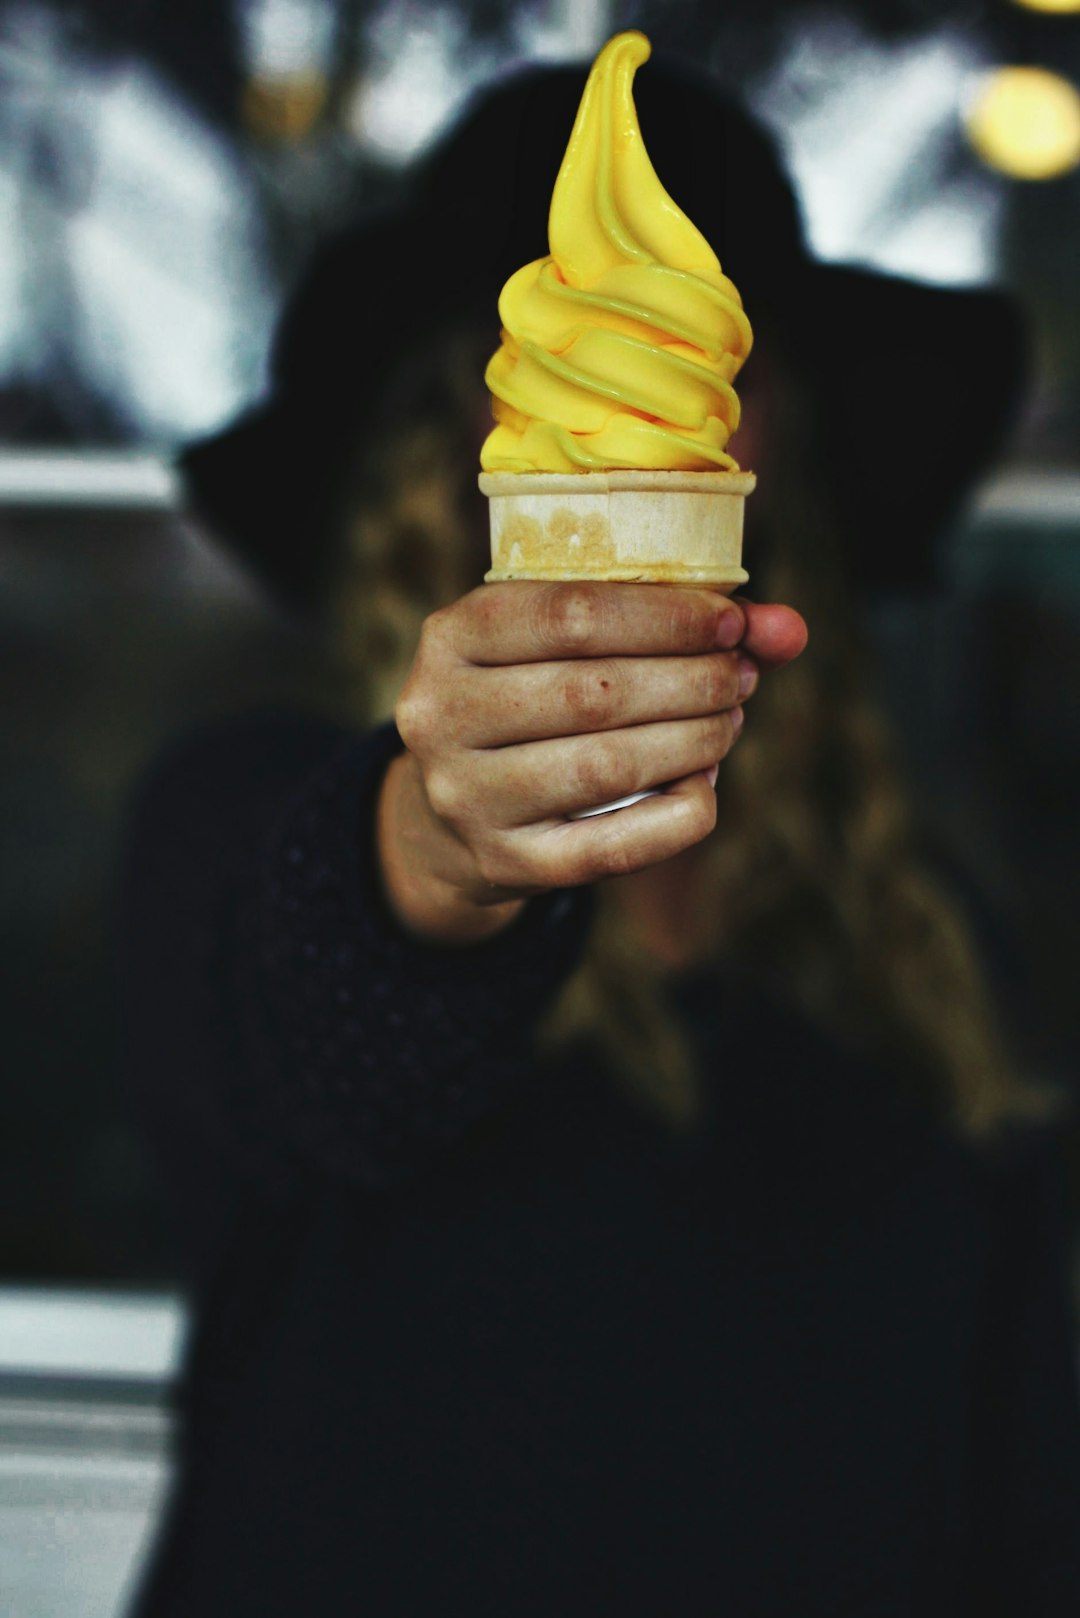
(279,1023)
(285,1010)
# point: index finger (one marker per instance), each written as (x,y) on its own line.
(529,622)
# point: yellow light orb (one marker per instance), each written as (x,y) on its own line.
(1060,6)
(1025,121)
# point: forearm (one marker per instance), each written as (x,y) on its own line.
(280,1009)
(390,1047)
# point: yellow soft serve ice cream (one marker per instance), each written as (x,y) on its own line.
(620,348)
(612,387)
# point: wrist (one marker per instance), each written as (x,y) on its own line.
(429,879)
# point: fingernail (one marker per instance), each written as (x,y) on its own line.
(737,717)
(711,775)
(729,630)
(748,676)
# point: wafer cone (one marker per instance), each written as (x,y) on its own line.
(648,527)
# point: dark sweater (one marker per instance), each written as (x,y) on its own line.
(474,1336)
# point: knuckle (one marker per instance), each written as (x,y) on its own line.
(444,632)
(566,616)
(483,608)
(591,693)
(444,791)
(414,716)
(597,768)
(435,631)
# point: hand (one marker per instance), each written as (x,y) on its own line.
(528,701)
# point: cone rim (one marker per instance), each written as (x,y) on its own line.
(641,572)
(494,484)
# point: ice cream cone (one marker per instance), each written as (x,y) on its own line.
(645,527)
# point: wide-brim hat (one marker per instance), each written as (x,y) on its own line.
(912,387)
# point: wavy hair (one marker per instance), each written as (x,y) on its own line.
(815,879)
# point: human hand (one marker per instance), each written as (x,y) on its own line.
(527,702)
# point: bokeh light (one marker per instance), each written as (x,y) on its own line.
(1058,6)
(1025,121)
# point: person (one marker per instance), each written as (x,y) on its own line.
(635,1214)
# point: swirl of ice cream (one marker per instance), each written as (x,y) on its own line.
(620,348)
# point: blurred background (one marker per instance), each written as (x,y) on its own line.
(165,174)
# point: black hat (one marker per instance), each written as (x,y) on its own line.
(915,385)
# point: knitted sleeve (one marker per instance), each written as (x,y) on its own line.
(278,1019)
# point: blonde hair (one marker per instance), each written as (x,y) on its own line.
(814,881)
